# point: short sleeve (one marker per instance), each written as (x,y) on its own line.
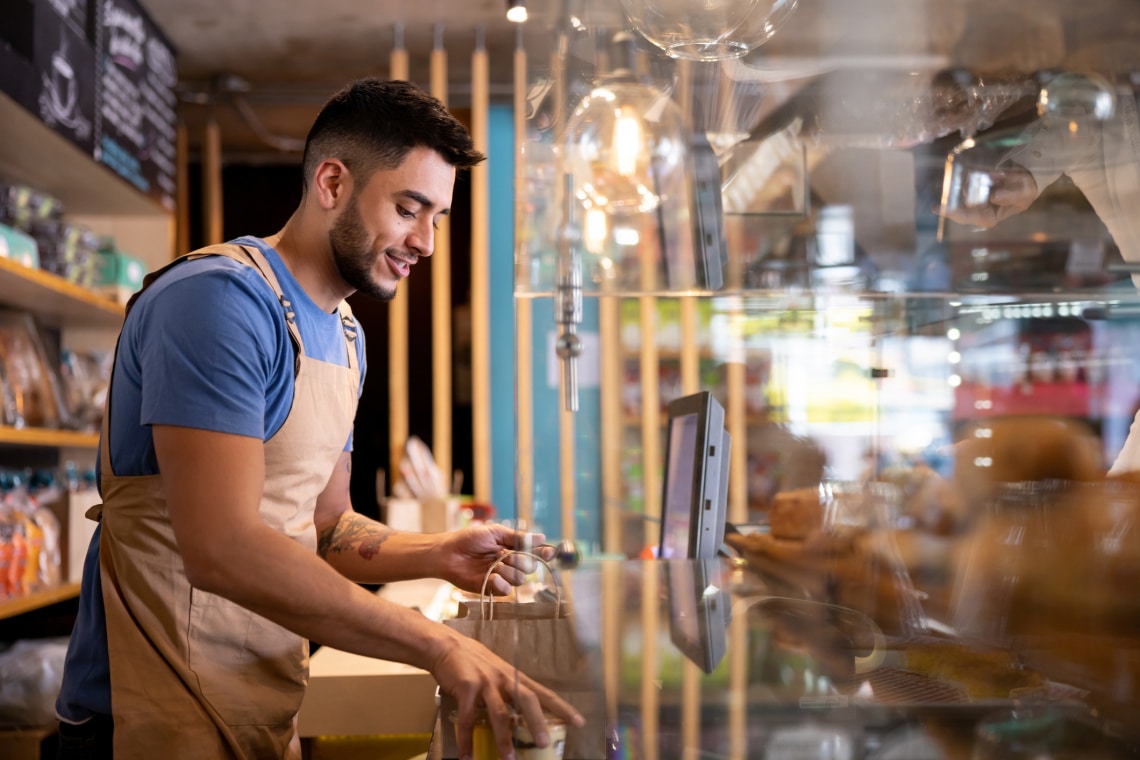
(210,353)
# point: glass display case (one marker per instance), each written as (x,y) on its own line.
(896,240)
(706,658)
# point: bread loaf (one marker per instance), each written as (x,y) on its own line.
(795,514)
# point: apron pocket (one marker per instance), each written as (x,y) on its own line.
(250,670)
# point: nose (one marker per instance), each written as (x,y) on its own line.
(421,238)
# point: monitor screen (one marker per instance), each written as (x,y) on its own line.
(695,486)
(679,469)
(699,611)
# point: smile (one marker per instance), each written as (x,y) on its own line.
(402,266)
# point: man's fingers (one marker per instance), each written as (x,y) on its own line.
(500,718)
(530,706)
(464,726)
(521,562)
(552,704)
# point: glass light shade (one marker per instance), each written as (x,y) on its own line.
(1076,97)
(988,176)
(707,30)
(625,149)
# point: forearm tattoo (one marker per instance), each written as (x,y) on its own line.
(353,533)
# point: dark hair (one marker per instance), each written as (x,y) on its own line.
(373,124)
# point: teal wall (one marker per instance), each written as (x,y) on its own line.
(501,178)
(501,169)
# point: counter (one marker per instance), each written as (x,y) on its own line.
(708,657)
(350,695)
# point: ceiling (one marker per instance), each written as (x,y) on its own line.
(293,54)
(290,55)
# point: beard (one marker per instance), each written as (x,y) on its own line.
(352,253)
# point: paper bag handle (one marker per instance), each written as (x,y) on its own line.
(490,599)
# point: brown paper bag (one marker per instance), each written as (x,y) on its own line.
(539,639)
(536,637)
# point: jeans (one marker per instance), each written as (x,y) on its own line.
(86,741)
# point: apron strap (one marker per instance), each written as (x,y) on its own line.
(247,255)
(349,326)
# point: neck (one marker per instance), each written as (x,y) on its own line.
(307,254)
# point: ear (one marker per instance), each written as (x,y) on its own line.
(332,184)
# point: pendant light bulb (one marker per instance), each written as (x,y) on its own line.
(516,11)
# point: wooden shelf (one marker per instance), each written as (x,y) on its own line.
(34,155)
(55,300)
(47,438)
(20,605)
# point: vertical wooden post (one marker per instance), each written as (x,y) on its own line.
(480,276)
(212,180)
(397,319)
(524,330)
(441,297)
(650,391)
(612,422)
(737,502)
(650,699)
(181,191)
(690,383)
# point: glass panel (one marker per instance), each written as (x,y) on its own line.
(897,241)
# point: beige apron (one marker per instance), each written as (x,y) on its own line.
(193,674)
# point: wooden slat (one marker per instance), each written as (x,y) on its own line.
(181,190)
(480,278)
(398,322)
(441,303)
(212,181)
(690,709)
(736,411)
(524,331)
(737,424)
(690,351)
(20,605)
(55,300)
(650,692)
(47,438)
(612,611)
(650,389)
(739,652)
(612,422)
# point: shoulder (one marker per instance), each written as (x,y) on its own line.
(207,305)
(209,288)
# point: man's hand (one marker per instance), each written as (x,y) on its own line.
(1013,190)
(479,680)
(467,554)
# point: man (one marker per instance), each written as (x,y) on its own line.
(227,539)
(1100,153)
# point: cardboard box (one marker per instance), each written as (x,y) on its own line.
(18,247)
(423,516)
(79,532)
(119,275)
(352,695)
(118,268)
(24,743)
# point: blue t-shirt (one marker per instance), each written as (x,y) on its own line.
(206,346)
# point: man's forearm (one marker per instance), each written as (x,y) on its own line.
(367,551)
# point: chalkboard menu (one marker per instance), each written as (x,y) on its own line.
(136,109)
(47,64)
(100,73)
(64,82)
(17,48)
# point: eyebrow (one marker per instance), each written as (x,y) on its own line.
(423,200)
